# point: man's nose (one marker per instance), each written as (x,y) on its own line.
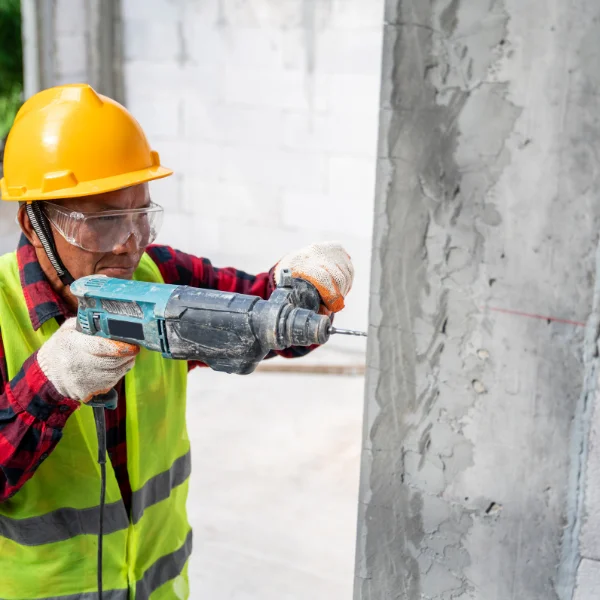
(129,246)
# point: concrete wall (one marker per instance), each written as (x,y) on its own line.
(479,478)
(588,522)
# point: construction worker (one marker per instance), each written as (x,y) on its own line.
(78,165)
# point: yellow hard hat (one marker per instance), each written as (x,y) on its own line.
(69,141)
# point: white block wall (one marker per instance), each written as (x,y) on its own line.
(267,110)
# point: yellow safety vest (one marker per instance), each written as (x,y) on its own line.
(48,528)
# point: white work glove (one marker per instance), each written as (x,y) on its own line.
(81,366)
(327,266)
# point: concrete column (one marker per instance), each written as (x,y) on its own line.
(72,41)
(105,54)
(483,338)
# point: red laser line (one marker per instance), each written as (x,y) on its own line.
(534,316)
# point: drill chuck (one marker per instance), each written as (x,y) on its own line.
(302,327)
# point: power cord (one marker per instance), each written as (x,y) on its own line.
(99,404)
(101,433)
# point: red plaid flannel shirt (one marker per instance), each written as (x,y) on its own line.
(33,413)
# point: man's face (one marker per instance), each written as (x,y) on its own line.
(122,261)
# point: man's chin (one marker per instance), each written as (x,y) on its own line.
(117,272)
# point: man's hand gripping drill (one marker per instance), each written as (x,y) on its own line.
(81,367)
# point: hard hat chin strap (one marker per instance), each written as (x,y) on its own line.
(42,228)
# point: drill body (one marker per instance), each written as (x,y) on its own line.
(227,331)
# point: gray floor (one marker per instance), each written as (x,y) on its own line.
(274,485)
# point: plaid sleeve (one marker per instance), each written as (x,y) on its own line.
(179,268)
(32,415)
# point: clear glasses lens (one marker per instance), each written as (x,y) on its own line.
(105,231)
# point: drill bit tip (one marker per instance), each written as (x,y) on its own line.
(334,330)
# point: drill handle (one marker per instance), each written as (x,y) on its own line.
(108,400)
(297,292)
(305,295)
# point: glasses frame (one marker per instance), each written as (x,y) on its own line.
(81,217)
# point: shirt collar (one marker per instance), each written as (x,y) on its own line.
(43,303)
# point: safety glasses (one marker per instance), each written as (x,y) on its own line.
(106,230)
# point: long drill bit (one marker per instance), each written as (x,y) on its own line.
(333,331)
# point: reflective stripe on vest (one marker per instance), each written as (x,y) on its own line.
(66,523)
(162,571)
(48,528)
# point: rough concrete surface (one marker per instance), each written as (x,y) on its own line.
(486,228)
(588,581)
(274,485)
(590,532)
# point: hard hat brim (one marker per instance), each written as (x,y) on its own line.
(86,188)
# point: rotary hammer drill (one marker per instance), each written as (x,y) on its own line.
(227,331)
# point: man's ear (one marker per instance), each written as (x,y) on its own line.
(26,226)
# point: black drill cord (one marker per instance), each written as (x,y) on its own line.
(101,433)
